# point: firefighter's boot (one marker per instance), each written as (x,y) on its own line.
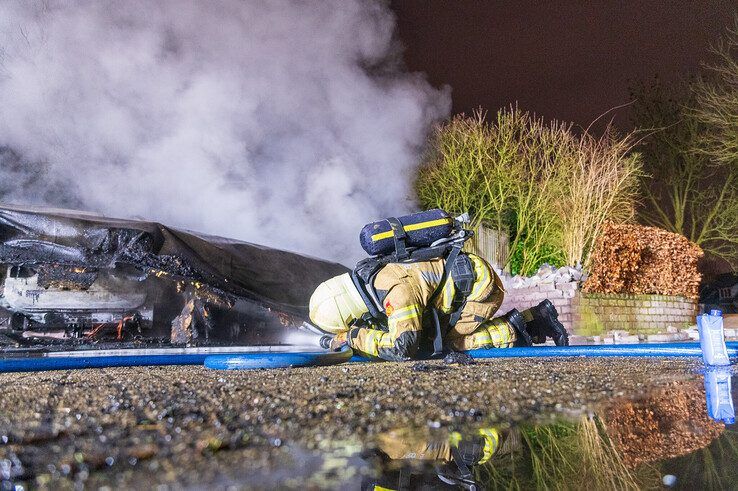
(543,321)
(515,319)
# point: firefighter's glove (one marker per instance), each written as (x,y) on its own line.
(334,343)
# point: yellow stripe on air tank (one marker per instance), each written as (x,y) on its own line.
(411,228)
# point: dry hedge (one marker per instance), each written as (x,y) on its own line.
(643,260)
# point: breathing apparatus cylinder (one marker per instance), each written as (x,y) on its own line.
(419,230)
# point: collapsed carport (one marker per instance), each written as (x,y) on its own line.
(75,278)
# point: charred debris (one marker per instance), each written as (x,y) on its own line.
(75,279)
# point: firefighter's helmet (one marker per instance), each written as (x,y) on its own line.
(335,304)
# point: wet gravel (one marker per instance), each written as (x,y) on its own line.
(194,427)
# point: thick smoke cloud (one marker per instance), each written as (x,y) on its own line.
(285,123)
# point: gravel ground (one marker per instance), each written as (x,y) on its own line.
(193,427)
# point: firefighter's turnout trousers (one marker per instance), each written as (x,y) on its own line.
(405,291)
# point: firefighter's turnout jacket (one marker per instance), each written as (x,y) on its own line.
(405,291)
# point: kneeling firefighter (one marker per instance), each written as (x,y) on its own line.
(419,294)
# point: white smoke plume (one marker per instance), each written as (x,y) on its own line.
(282,122)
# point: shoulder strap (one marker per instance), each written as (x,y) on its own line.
(400,236)
(462,274)
(450,260)
(362,277)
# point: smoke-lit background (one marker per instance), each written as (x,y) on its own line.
(285,123)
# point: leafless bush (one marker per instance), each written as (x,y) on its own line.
(548,187)
(603,186)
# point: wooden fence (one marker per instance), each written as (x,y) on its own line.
(492,245)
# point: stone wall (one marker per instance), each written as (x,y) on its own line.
(560,294)
(593,314)
(638,313)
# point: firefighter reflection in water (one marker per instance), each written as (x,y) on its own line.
(411,461)
(412,294)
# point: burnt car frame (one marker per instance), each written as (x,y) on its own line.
(73,277)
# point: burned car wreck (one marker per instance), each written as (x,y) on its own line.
(74,278)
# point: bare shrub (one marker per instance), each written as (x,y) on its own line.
(603,179)
(502,174)
(690,185)
(550,189)
(470,167)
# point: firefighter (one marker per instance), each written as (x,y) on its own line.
(413,300)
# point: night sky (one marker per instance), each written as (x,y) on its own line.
(565,60)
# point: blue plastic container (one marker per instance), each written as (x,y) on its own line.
(712,338)
(719,397)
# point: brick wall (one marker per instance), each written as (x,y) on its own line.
(590,314)
(561,295)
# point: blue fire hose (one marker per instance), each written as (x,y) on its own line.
(249,361)
(253,361)
(654,349)
(81,360)
(224,358)
(250,358)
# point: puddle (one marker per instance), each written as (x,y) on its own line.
(679,433)
(644,443)
(675,437)
(665,438)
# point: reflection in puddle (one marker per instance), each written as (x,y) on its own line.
(677,436)
(403,457)
(720,405)
(574,454)
(714,466)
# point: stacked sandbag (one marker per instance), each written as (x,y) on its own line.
(545,274)
(643,260)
